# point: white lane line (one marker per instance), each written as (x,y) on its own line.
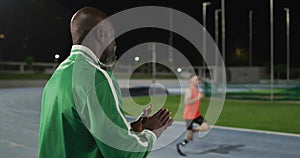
(257,131)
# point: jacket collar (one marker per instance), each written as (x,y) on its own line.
(85,51)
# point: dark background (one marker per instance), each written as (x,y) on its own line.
(40,28)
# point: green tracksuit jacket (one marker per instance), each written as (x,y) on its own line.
(81,114)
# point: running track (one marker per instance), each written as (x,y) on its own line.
(19,125)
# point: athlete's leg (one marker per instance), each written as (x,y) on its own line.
(203,125)
(188,136)
(189,130)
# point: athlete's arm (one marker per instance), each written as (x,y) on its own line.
(188,99)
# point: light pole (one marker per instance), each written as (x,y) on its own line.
(287,44)
(217,11)
(204,6)
(271,49)
(170,58)
(136,62)
(250,36)
(223,30)
(56,57)
(153,48)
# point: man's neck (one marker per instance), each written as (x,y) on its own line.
(193,86)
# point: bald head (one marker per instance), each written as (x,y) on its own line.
(83,21)
(91,28)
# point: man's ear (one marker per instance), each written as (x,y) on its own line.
(100,35)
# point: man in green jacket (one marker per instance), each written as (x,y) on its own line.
(81,115)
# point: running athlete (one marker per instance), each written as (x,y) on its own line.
(192,114)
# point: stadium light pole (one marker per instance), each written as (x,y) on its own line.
(56,57)
(271,49)
(250,36)
(170,57)
(204,6)
(153,48)
(217,11)
(223,31)
(287,44)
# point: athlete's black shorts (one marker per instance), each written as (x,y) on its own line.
(189,123)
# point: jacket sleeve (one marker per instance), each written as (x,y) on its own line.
(105,120)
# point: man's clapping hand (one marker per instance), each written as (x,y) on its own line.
(158,122)
(137,125)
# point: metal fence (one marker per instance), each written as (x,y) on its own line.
(23,67)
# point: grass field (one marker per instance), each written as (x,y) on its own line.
(262,115)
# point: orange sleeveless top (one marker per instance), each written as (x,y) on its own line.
(192,111)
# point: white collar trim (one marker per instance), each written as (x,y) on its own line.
(84,51)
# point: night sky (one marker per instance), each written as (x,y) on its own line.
(40,28)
